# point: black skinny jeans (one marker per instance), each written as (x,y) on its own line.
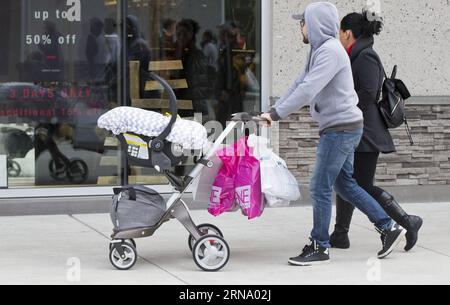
(365,167)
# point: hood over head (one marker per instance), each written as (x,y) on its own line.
(322,21)
(133,27)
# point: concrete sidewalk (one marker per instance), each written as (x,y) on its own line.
(47,249)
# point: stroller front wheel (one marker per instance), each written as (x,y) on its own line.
(131,241)
(205,229)
(211,253)
(125,261)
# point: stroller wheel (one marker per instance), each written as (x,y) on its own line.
(206,229)
(130,241)
(211,253)
(14,169)
(78,171)
(58,171)
(126,261)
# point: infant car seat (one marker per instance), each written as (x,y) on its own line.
(151,139)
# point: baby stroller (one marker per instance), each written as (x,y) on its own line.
(17,144)
(209,249)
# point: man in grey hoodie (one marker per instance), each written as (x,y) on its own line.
(327,87)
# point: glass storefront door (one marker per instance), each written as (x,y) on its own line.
(66,62)
(60,74)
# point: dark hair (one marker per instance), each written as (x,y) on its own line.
(191,25)
(167,23)
(361,25)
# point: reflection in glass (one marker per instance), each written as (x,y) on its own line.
(62,76)
(208,50)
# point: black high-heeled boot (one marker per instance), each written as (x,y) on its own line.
(412,224)
(344,214)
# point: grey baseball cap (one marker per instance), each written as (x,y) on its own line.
(299,17)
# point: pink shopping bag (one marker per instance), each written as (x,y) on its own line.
(238,182)
(222,192)
(247,185)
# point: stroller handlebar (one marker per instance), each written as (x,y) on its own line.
(248,117)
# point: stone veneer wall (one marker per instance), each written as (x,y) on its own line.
(426,163)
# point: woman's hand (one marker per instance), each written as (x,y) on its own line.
(268,122)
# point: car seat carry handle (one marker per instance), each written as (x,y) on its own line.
(172,106)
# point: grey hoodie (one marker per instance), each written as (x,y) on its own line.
(326,85)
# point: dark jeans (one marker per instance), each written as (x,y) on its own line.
(365,167)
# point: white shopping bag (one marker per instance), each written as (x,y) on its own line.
(275,202)
(278,184)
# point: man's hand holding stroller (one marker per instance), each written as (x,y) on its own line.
(267,120)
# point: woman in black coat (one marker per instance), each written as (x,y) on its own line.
(357,36)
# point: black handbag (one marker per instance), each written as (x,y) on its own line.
(392,104)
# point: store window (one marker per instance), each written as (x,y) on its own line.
(62,68)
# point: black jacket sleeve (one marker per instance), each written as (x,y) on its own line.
(368,78)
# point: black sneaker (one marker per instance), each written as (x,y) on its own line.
(312,255)
(390,239)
